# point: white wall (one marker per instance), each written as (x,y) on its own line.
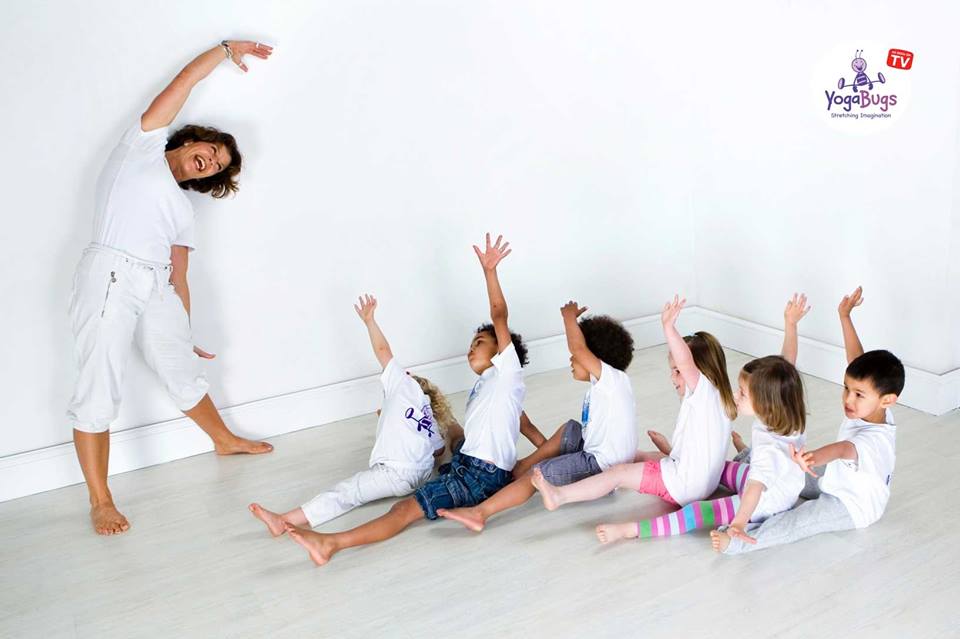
(784,202)
(380,141)
(383,138)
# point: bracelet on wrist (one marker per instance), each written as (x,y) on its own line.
(226,49)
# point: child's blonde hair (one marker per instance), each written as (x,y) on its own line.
(776,392)
(442,415)
(712,363)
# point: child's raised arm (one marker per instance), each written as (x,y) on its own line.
(489,259)
(851,342)
(365,309)
(575,340)
(792,314)
(682,357)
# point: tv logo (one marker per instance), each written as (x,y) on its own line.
(900,59)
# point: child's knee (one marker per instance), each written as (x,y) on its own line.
(407,508)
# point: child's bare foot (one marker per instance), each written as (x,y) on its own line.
(609,533)
(107,520)
(660,441)
(719,540)
(550,494)
(470,518)
(320,547)
(737,441)
(241,446)
(275,523)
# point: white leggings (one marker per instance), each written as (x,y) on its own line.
(119,300)
(376,482)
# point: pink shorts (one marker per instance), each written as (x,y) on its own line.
(652,483)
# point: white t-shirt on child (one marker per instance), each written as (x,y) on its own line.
(492,421)
(140,208)
(609,418)
(863,486)
(771,465)
(407,434)
(700,441)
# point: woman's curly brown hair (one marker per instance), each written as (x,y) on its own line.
(220,184)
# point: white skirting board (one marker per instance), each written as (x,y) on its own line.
(54,467)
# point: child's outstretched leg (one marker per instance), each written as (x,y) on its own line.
(321,547)
(695,516)
(621,475)
(475,517)
(275,522)
(734,476)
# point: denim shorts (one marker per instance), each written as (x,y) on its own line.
(465,481)
(573,463)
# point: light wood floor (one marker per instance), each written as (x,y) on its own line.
(196,564)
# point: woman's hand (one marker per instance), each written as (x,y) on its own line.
(202,353)
(240,48)
(366,308)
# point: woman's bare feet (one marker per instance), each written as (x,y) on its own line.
(609,533)
(550,493)
(241,446)
(719,540)
(737,441)
(276,524)
(470,518)
(660,441)
(320,547)
(107,520)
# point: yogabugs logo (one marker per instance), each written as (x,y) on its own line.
(862,98)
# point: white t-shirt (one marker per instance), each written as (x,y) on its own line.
(407,434)
(140,208)
(700,441)
(609,418)
(771,464)
(863,486)
(492,420)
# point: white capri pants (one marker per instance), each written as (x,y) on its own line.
(375,483)
(119,300)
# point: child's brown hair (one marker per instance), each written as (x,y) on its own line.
(712,363)
(776,392)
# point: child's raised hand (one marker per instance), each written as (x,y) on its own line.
(803,459)
(571,309)
(366,307)
(796,309)
(671,310)
(850,302)
(490,257)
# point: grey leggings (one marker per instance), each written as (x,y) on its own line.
(821,513)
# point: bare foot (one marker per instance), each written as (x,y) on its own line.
(241,446)
(275,523)
(609,533)
(660,441)
(719,540)
(469,517)
(107,520)
(320,547)
(737,441)
(550,494)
